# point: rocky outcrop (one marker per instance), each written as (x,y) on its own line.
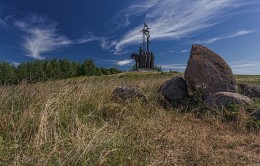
(226,99)
(255,114)
(127,93)
(250,90)
(206,67)
(174,89)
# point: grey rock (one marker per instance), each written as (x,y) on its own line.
(174,89)
(226,99)
(256,114)
(206,67)
(250,90)
(124,93)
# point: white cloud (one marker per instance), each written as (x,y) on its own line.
(238,67)
(123,17)
(173,19)
(236,34)
(88,39)
(104,42)
(173,66)
(165,53)
(40,36)
(246,67)
(15,64)
(124,62)
(246,3)
(184,51)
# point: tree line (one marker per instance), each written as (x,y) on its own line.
(42,70)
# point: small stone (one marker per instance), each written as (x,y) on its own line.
(250,90)
(174,89)
(124,93)
(226,99)
(256,114)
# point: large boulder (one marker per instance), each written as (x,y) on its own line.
(226,99)
(207,68)
(124,93)
(250,90)
(174,89)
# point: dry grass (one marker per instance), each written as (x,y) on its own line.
(73,122)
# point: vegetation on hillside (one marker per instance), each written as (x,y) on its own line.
(42,70)
(156,68)
(74,122)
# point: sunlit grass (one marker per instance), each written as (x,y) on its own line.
(254,79)
(74,122)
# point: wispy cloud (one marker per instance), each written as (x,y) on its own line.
(236,34)
(2,23)
(173,19)
(124,62)
(246,3)
(4,19)
(40,36)
(87,39)
(105,43)
(184,51)
(167,52)
(246,67)
(125,16)
(238,67)
(174,66)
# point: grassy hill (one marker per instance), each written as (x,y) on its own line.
(74,122)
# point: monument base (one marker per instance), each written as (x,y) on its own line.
(146,70)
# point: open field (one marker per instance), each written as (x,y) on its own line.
(74,122)
(254,79)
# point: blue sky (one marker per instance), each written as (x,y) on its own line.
(108,31)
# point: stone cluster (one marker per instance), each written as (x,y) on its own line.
(207,72)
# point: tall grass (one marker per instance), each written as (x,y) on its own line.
(74,122)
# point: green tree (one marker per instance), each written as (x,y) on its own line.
(88,68)
(53,69)
(41,70)
(158,68)
(7,73)
(66,68)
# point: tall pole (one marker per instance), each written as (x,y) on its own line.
(143,40)
(148,41)
(146,38)
(146,33)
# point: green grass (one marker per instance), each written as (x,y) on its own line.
(248,79)
(74,122)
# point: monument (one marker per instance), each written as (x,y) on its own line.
(145,58)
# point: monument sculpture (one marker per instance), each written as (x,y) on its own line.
(145,58)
